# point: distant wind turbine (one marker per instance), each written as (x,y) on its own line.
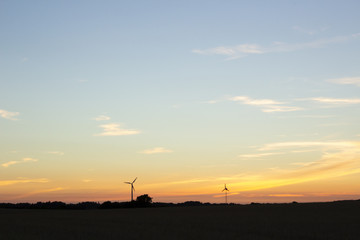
(132,188)
(226,190)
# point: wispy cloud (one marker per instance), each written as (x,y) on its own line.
(156,150)
(340,158)
(316,116)
(348,80)
(286,195)
(259,155)
(189,181)
(102,118)
(267,105)
(50,190)
(303,164)
(24,160)
(86,180)
(333,145)
(114,129)
(37,192)
(256,102)
(233,51)
(17,181)
(281,109)
(7,164)
(9,115)
(336,100)
(242,50)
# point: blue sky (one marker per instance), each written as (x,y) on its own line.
(190,93)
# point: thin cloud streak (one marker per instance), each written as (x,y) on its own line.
(335,145)
(316,116)
(336,100)
(40,192)
(341,163)
(258,155)
(346,81)
(8,115)
(156,150)
(7,164)
(338,159)
(242,50)
(87,180)
(281,109)
(267,105)
(18,181)
(232,52)
(303,164)
(24,160)
(114,129)
(256,102)
(286,195)
(102,118)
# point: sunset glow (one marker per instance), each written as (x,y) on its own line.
(186,96)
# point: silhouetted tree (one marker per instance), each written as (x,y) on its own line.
(144,200)
(106,205)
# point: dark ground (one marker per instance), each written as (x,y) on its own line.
(338,220)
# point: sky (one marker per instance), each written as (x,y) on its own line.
(263,96)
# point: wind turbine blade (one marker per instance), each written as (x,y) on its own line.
(133,188)
(134,180)
(127,182)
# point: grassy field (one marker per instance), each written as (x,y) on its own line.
(265,221)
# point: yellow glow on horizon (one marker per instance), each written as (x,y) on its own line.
(334,162)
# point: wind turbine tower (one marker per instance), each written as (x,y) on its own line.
(226,190)
(132,188)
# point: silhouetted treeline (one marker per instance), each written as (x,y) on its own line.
(141,201)
(81,205)
(146,202)
(97,205)
(52,205)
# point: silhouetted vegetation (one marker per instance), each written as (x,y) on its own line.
(51,205)
(188,220)
(143,200)
(146,201)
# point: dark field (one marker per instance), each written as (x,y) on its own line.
(339,220)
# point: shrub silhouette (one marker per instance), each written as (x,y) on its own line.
(143,200)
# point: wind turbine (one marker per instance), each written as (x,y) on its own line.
(226,190)
(132,188)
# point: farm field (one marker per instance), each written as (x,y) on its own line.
(339,220)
